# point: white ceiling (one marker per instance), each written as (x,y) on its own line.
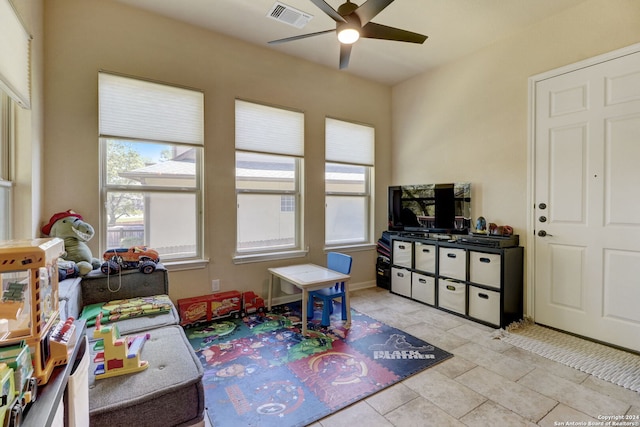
(455,28)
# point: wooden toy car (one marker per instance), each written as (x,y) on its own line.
(139,257)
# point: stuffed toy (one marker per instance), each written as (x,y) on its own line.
(67,270)
(70,227)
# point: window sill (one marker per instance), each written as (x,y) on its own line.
(270,256)
(351,248)
(191,264)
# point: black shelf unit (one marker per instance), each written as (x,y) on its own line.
(478,282)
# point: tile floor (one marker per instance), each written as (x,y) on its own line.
(487,383)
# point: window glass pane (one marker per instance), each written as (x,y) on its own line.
(150,164)
(346,218)
(164,221)
(345,178)
(265,172)
(264,224)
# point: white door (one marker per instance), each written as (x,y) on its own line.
(587,201)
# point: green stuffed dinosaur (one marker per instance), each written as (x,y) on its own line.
(70,227)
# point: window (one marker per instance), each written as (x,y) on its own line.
(14,89)
(151,143)
(269,150)
(6,126)
(14,56)
(348,176)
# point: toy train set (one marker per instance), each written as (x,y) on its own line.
(221,305)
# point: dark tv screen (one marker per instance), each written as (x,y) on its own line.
(430,207)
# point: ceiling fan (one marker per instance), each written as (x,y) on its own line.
(353,22)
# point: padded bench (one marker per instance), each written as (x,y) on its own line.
(170,391)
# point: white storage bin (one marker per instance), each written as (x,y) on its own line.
(452,263)
(484,305)
(484,269)
(423,288)
(425,257)
(289,288)
(401,281)
(402,253)
(451,295)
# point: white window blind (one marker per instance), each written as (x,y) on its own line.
(143,110)
(14,56)
(268,129)
(349,142)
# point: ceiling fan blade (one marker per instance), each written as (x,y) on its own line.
(371,8)
(302,36)
(322,5)
(378,31)
(345,53)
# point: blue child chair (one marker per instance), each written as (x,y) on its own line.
(342,264)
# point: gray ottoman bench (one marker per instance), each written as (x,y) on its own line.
(168,393)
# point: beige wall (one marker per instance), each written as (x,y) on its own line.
(468,120)
(465,121)
(84,36)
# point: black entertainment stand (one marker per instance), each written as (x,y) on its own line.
(480,278)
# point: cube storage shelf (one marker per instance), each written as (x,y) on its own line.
(481,283)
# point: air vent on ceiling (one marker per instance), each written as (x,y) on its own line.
(289,15)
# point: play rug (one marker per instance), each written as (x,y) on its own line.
(260,371)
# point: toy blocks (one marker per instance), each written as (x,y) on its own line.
(118,356)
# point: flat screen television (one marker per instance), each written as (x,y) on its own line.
(436,208)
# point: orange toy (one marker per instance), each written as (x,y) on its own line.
(29,300)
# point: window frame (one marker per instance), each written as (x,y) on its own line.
(273,252)
(366,194)
(194,260)
(7,126)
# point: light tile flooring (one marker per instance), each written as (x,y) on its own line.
(487,383)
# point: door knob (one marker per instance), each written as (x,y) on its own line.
(543,233)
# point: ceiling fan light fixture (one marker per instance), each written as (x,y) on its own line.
(348,35)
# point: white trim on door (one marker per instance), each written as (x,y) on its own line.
(533,80)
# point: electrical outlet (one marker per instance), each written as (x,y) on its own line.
(215,285)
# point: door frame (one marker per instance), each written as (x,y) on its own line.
(530,256)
